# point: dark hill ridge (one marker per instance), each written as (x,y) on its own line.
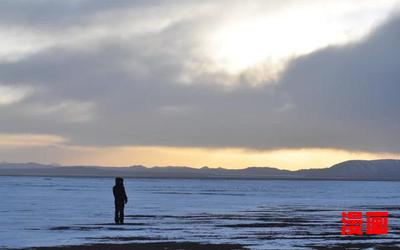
(348,170)
(358,170)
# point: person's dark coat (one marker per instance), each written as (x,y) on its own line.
(120,199)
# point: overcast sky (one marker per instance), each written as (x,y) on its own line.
(228,83)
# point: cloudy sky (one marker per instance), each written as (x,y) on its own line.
(224,83)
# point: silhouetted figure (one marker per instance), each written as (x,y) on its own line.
(120,199)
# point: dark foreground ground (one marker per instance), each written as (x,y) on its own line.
(198,246)
(148,246)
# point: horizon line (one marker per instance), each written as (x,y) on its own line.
(187,166)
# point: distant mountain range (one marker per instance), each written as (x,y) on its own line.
(348,170)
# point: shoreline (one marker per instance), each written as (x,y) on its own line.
(202,178)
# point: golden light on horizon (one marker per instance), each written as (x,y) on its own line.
(29,140)
(233,158)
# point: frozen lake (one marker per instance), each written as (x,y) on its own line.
(262,214)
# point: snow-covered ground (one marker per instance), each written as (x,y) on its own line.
(43,211)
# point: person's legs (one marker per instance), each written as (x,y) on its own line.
(119,213)
(116,215)
(121,216)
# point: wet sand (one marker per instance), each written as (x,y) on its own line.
(263,228)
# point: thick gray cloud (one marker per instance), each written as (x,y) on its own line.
(130,92)
(349,95)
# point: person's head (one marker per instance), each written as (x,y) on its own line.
(119,181)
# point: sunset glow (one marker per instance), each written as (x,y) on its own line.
(46,150)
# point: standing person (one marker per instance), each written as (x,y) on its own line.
(120,199)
